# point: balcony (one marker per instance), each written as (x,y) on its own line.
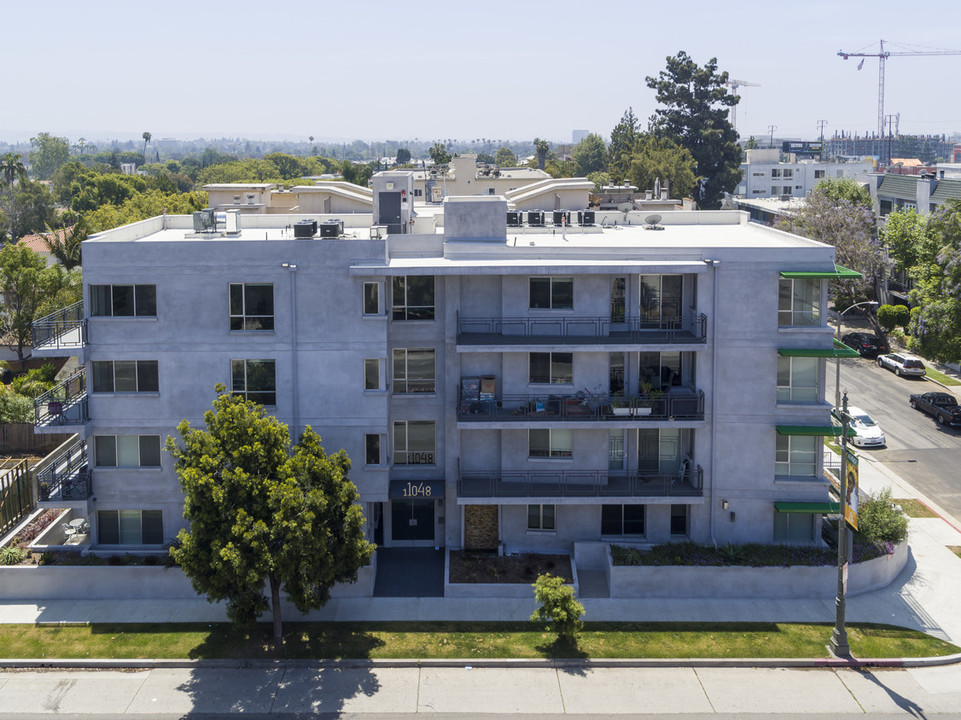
(608,484)
(61,334)
(62,408)
(66,478)
(485,332)
(676,405)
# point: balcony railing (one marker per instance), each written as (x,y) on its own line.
(573,329)
(64,329)
(67,477)
(686,405)
(65,404)
(686,482)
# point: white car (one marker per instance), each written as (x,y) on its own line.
(902,364)
(867,432)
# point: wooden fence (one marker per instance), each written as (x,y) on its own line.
(19,438)
(16,498)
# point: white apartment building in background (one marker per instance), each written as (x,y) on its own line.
(565,381)
(764,175)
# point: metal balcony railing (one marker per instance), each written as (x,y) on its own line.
(67,477)
(691,329)
(687,405)
(65,404)
(64,329)
(688,481)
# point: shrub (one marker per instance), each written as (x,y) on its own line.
(892,316)
(12,555)
(881,521)
(557,606)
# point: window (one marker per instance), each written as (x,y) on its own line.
(372,454)
(371,374)
(123,300)
(550,443)
(622,519)
(127,450)
(618,298)
(797,379)
(788,173)
(818,174)
(254,379)
(552,368)
(615,450)
(796,455)
(794,528)
(552,293)
(541,517)
(413,370)
(418,192)
(413,442)
(615,374)
(661,299)
(371,298)
(125,376)
(130,527)
(251,306)
(798,302)
(678,519)
(757,174)
(776,173)
(413,297)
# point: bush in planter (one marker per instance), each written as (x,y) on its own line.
(881,521)
(558,607)
(12,555)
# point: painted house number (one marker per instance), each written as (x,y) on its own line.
(417,490)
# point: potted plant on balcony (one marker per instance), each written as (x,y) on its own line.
(44,490)
(620,406)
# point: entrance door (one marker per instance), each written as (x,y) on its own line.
(411,519)
(390,211)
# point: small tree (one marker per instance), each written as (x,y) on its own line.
(403,156)
(261,515)
(880,520)
(892,316)
(559,607)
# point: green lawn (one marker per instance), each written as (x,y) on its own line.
(941,377)
(459,640)
(914,508)
(956,549)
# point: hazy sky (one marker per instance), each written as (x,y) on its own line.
(495,69)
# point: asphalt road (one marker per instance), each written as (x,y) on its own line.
(922,452)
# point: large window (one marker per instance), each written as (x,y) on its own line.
(552,368)
(414,442)
(541,517)
(797,379)
(679,515)
(372,454)
(123,300)
(251,306)
(413,370)
(125,376)
(130,527)
(371,298)
(618,300)
(799,302)
(127,450)
(413,297)
(794,528)
(796,455)
(552,293)
(254,379)
(661,298)
(615,450)
(556,443)
(622,519)
(371,374)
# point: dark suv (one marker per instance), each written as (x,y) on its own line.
(866,345)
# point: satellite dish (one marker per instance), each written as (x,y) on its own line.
(652,222)
(625,207)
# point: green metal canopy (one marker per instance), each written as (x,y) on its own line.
(820,508)
(839,273)
(818,430)
(840,350)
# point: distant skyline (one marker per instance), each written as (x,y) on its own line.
(498,70)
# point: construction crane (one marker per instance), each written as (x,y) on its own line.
(734,85)
(883,55)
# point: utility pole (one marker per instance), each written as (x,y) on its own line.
(771,129)
(839,637)
(821,124)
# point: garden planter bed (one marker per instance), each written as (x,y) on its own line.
(488,575)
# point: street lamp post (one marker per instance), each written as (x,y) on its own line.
(839,638)
(837,359)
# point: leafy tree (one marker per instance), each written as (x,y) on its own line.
(589,155)
(146,139)
(12,169)
(15,408)
(881,521)
(695,116)
(48,154)
(751,143)
(260,513)
(403,156)
(840,189)
(654,158)
(288,166)
(142,206)
(623,139)
(892,316)
(358,174)
(438,153)
(486,158)
(25,281)
(67,248)
(558,606)
(600,179)
(28,208)
(505,157)
(541,148)
(907,236)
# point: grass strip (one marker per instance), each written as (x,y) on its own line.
(914,508)
(391,640)
(941,377)
(956,549)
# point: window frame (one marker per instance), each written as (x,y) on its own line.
(560,450)
(794,315)
(782,531)
(401,456)
(102,525)
(139,376)
(367,298)
(142,295)
(794,392)
(268,394)
(114,437)
(401,382)
(622,521)
(685,513)
(403,310)
(555,376)
(556,298)
(247,321)
(378,438)
(795,460)
(372,372)
(540,521)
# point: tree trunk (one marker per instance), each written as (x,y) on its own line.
(275,606)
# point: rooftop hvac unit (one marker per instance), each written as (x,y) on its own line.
(562,217)
(535,218)
(585,217)
(233,221)
(331,228)
(305,228)
(205,221)
(514,219)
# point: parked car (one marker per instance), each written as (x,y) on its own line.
(867,432)
(941,405)
(866,345)
(902,364)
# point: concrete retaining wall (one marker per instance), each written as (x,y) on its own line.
(493,590)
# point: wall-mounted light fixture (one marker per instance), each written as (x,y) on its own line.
(725,504)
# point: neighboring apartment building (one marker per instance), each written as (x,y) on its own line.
(924,193)
(529,388)
(763,175)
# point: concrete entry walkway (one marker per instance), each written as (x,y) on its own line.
(409,572)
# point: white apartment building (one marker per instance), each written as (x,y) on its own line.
(528,388)
(763,175)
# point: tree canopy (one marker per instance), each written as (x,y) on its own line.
(505,157)
(48,154)
(589,155)
(438,153)
(623,138)
(264,514)
(653,158)
(695,116)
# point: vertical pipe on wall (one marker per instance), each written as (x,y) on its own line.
(295,410)
(713,473)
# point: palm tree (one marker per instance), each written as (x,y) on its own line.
(67,250)
(146,138)
(12,168)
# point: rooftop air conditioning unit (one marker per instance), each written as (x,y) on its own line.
(514,218)
(331,228)
(233,222)
(562,217)
(305,228)
(535,218)
(585,217)
(205,221)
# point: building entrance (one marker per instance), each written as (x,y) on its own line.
(411,519)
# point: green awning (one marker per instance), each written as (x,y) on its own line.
(840,350)
(820,508)
(821,430)
(840,273)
